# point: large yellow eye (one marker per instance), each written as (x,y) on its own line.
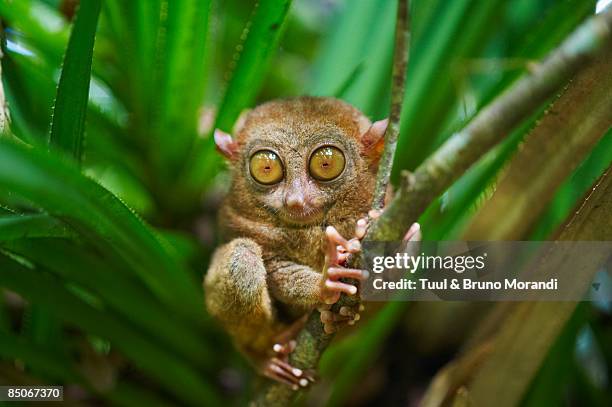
(266,167)
(326,163)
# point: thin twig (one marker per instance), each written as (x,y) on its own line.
(400,63)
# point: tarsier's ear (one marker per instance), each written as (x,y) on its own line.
(226,144)
(373,139)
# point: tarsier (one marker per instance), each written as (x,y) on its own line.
(303,174)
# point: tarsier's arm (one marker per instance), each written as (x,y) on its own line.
(302,287)
(294,284)
(235,286)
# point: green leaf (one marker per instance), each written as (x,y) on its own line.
(117,290)
(30,92)
(14,227)
(45,329)
(552,150)
(134,27)
(170,372)
(57,186)
(456,30)
(44,359)
(42,26)
(362,37)
(181,81)
(370,337)
(446,217)
(262,36)
(558,365)
(573,188)
(68,124)
(60,369)
(5,321)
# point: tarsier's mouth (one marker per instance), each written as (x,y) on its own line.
(305,216)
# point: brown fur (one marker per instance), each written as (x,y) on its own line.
(270,273)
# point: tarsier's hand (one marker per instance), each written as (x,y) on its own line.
(338,251)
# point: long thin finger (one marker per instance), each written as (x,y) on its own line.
(284,348)
(353,245)
(350,314)
(330,317)
(331,297)
(347,311)
(272,374)
(281,374)
(311,375)
(342,257)
(323,307)
(331,255)
(413,234)
(336,326)
(361,228)
(287,367)
(327,316)
(341,287)
(335,273)
(329,328)
(374,213)
(334,236)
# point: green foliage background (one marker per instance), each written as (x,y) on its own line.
(109,187)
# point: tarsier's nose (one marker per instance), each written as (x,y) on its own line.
(294,198)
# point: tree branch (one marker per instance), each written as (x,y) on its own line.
(563,137)
(400,63)
(491,125)
(453,158)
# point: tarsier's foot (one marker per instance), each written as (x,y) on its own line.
(333,321)
(278,368)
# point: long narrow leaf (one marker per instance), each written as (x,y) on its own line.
(181,81)
(456,31)
(122,294)
(44,359)
(262,36)
(14,227)
(58,370)
(362,47)
(573,188)
(550,153)
(170,372)
(58,187)
(68,125)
